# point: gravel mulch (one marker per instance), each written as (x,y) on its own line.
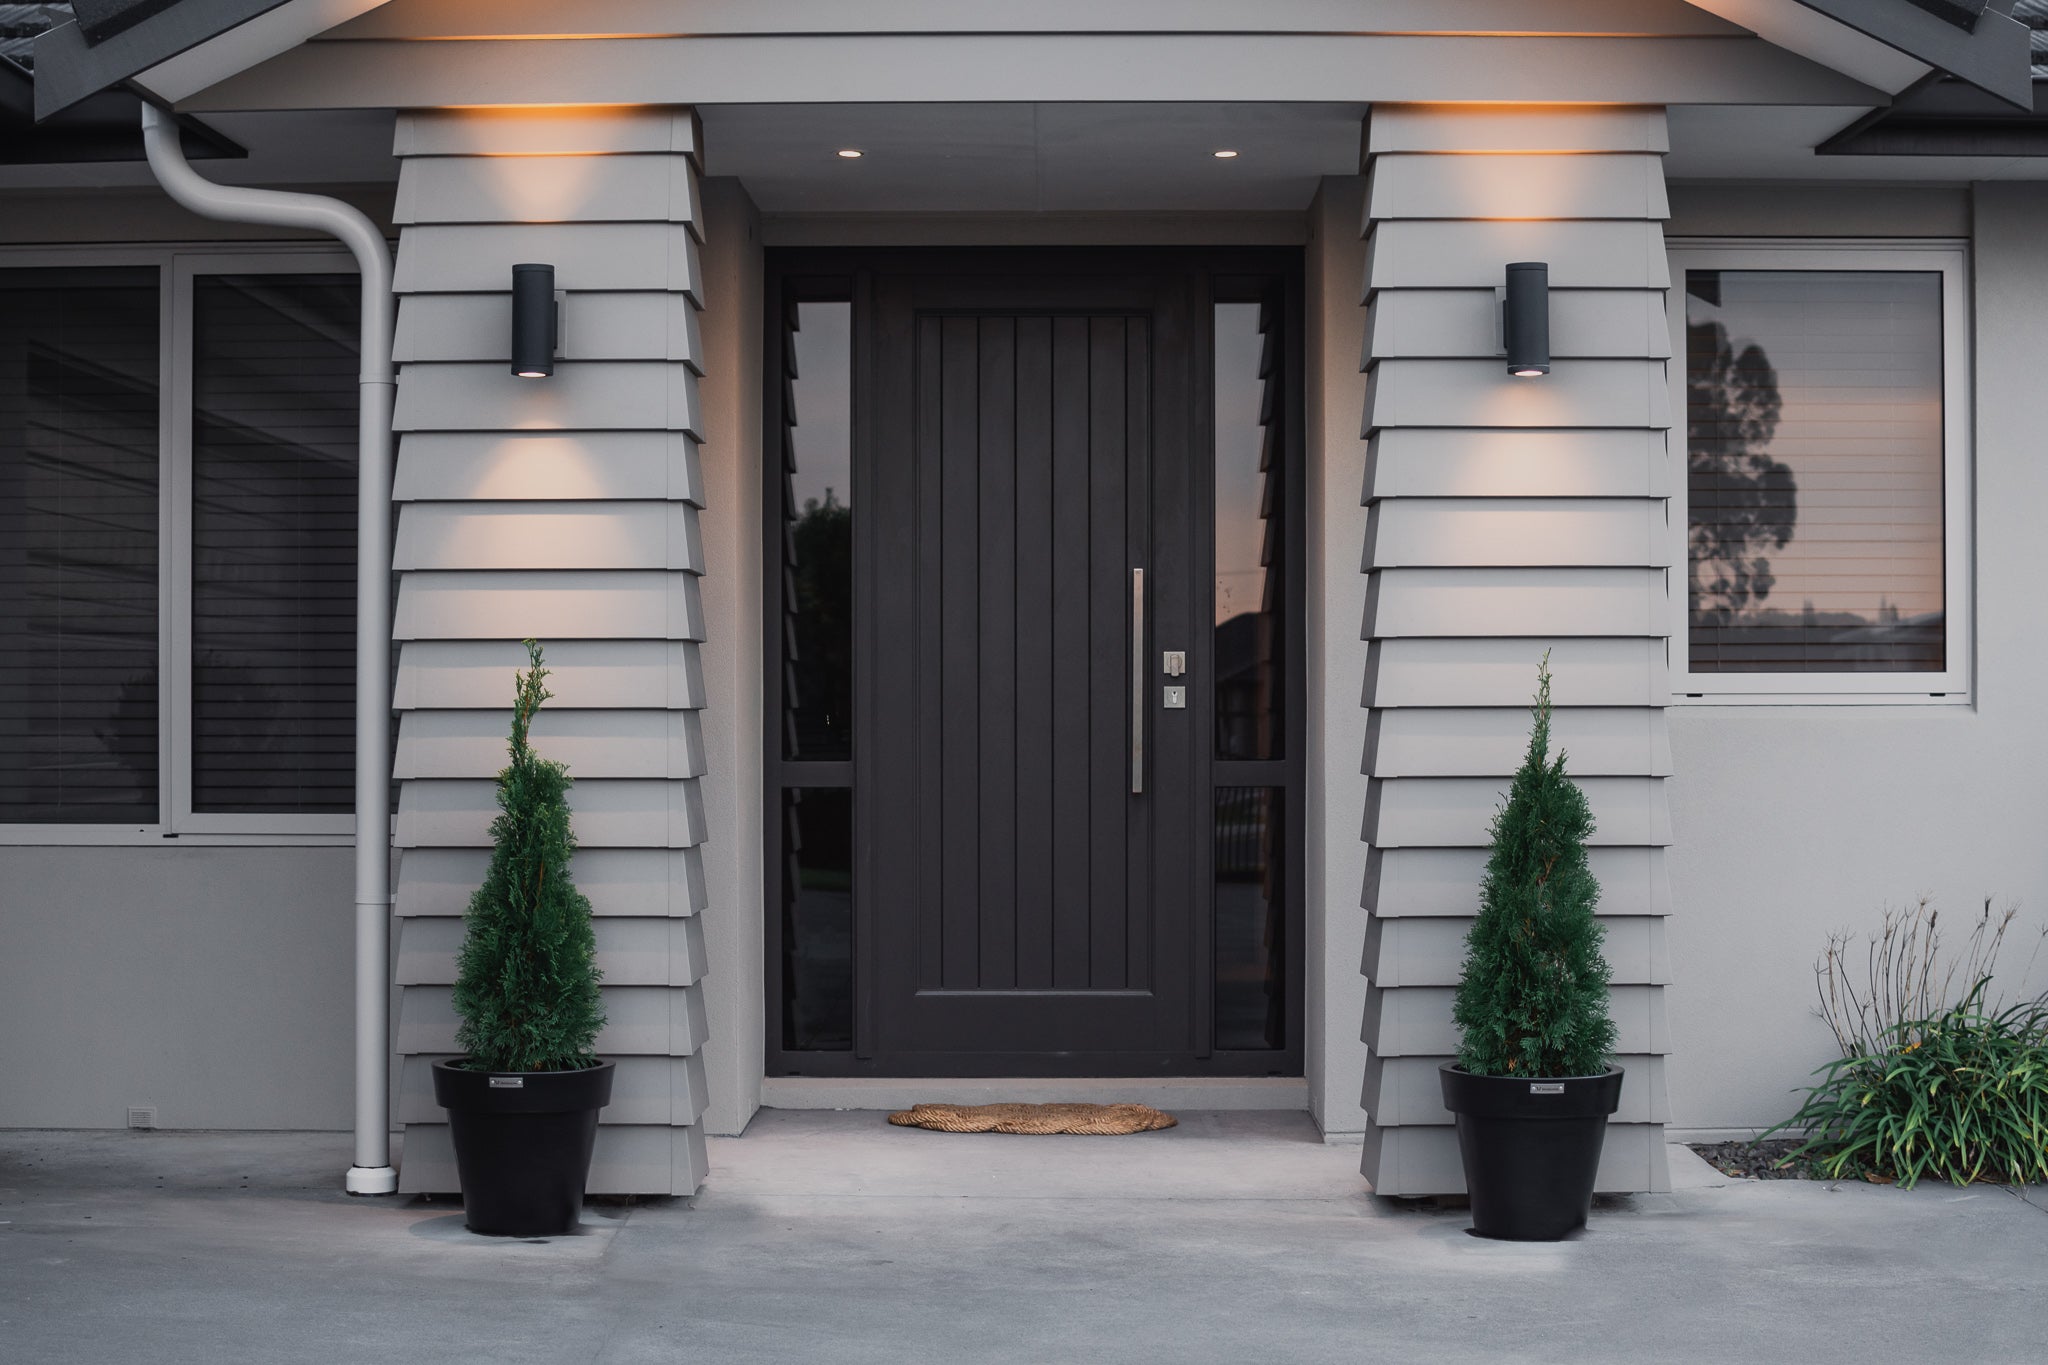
(1759,1160)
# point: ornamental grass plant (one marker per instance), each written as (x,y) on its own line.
(1532,998)
(1931,1082)
(526,987)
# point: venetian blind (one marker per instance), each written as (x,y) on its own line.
(79,397)
(1814,471)
(274,397)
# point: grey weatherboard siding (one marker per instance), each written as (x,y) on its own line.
(564,509)
(1509,516)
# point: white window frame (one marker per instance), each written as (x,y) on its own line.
(1950,687)
(178,265)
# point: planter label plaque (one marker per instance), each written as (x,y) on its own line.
(1535,1087)
(508,1082)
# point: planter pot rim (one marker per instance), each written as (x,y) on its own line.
(1530,1097)
(1473,1075)
(523,1092)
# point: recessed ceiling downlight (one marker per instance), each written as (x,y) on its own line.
(1223,154)
(851,153)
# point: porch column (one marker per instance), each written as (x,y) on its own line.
(565,509)
(1506,517)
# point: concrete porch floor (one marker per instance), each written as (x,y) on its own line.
(833,1237)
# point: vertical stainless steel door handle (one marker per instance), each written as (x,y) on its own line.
(1137,681)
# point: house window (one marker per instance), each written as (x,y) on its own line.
(1819,396)
(810,773)
(177,544)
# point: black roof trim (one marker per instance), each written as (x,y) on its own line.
(1944,117)
(102,127)
(1977,41)
(72,65)
(100,20)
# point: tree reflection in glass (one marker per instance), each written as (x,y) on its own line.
(1814,471)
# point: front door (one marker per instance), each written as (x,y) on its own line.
(1043,874)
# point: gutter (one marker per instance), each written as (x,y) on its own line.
(372,1172)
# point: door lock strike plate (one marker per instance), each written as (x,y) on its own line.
(1176,663)
(1176,699)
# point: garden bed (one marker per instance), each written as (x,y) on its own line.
(1761,1160)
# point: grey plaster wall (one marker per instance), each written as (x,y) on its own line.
(1792,821)
(731,458)
(1335,859)
(215,984)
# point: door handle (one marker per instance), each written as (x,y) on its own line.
(1137,681)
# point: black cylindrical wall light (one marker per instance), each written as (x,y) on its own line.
(533,321)
(1525,319)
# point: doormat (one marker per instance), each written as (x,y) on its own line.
(1088,1120)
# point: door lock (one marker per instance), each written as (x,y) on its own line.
(1176,663)
(1176,699)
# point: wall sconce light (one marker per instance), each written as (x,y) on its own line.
(534,321)
(1525,319)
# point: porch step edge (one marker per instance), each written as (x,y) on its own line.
(1161,1092)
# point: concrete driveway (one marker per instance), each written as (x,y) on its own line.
(832,1237)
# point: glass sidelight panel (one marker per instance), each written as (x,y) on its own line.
(817,919)
(818,458)
(1251,956)
(1248,532)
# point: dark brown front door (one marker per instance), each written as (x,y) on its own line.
(1033,888)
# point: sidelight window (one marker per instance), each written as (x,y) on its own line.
(1252,558)
(1826,472)
(813,684)
(177,545)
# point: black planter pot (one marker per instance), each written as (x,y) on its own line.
(522,1144)
(1531,1148)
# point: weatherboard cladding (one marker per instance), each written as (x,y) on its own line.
(1507,517)
(564,509)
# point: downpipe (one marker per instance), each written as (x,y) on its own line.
(372,1172)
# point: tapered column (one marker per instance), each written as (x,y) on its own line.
(563,509)
(1509,516)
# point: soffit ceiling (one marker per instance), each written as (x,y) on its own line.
(1032,157)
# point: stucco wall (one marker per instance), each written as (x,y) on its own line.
(1335,858)
(1794,821)
(731,456)
(213,983)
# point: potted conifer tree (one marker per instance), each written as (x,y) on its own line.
(1533,1086)
(523,1102)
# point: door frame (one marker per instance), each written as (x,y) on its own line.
(794,275)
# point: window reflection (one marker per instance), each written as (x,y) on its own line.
(274,401)
(817,919)
(1814,471)
(818,456)
(1250,951)
(1248,540)
(78,545)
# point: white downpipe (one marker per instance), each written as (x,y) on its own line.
(372,1172)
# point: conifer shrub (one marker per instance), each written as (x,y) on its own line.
(526,986)
(1532,998)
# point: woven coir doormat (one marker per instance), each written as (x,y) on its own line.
(1091,1120)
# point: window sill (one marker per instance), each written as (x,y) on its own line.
(1816,699)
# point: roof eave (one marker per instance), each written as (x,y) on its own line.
(1992,54)
(70,69)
